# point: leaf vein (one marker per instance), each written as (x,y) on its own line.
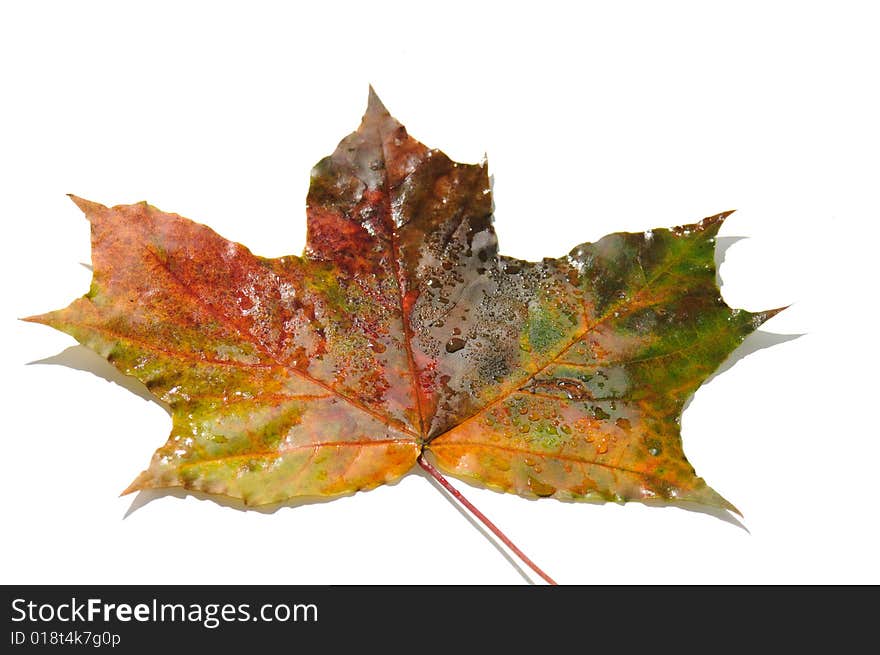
(286,365)
(266,454)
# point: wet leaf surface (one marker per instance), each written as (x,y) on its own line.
(402,331)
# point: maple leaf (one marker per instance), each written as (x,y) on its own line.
(401,335)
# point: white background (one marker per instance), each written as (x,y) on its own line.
(595,119)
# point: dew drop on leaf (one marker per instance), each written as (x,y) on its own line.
(455,344)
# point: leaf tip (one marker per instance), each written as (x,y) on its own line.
(43,319)
(730,507)
(715,221)
(140,483)
(375,107)
(88,207)
(762,317)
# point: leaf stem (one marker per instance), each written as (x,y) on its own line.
(425,464)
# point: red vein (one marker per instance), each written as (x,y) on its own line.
(224,319)
(350,464)
(538,394)
(269,396)
(612,362)
(146,345)
(285,451)
(586,367)
(433,472)
(631,306)
(532,453)
(398,275)
(303,469)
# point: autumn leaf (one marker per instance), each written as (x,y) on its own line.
(402,334)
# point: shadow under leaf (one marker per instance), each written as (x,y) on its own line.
(756,341)
(84,359)
(147,496)
(478,526)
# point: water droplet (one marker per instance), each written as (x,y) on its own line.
(654,450)
(523,410)
(602,447)
(433,283)
(456,331)
(524,428)
(539,488)
(573,389)
(600,413)
(377,347)
(566,428)
(455,344)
